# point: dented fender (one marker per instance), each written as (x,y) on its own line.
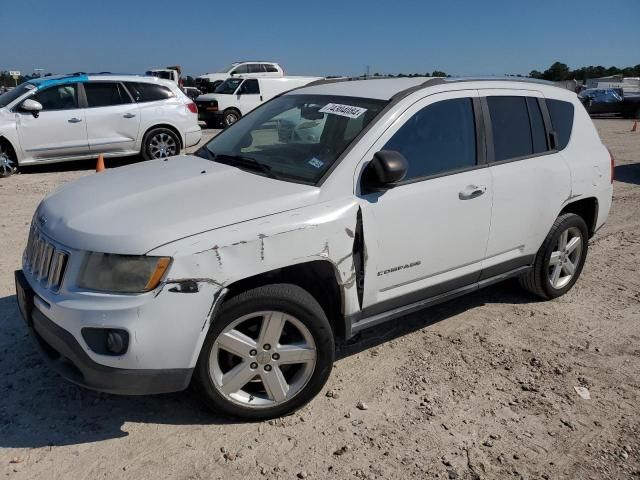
(327,231)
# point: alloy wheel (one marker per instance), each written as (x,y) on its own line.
(565,258)
(7,165)
(262,359)
(162,145)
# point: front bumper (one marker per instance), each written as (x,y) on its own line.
(57,332)
(209,116)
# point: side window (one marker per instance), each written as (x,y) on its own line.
(439,138)
(104,94)
(270,68)
(250,87)
(255,68)
(561,114)
(60,97)
(148,92)
(537,126)
(241,69)
(510,126)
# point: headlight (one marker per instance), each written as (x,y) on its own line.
(122,273)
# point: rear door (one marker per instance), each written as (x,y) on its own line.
(530,178)
(59,130)
(249,95)
(112,116)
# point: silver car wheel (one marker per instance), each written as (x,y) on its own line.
(565,258)
(7,165)
(162,145)
(262,359)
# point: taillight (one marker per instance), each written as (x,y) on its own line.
(193,108)
(613,165)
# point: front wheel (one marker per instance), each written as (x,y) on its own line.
(160,143)
(230,117)
(8,164)
(268,352)
(559,261)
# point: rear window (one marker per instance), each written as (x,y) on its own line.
(148,92)
(561,114)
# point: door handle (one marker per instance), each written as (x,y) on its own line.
(74,120)
(129,115)
(472,191)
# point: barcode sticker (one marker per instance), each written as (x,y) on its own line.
(343,110)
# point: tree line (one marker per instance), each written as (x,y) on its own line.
(558,72)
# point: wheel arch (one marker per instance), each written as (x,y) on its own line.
(168,126)
(587,208)
(5,141)
(318,277)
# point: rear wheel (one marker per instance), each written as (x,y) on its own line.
(269,351)
(559,261)
(8,162)
(160,143)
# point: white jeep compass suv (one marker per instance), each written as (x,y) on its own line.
(75,117)
(236,269)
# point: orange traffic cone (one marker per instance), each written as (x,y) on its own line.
(100,163)
(635,126)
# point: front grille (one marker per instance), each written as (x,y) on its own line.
(43,261)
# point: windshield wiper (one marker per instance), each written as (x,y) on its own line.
(244,161)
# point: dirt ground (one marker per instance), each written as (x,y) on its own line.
(480,387)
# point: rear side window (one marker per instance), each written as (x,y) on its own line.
(148,92)
(270,68)
(250,87)
(60,97)
(104,94)
(439,138)
(538,133)
(561,114)
(510,127)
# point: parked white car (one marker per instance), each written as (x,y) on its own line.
(239,273)
(250,69)
(55,119)
(237,96)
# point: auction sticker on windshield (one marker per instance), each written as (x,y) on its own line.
(343,110)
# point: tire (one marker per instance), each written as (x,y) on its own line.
(549,278)
(230,116)
(8,162)
(257,367)
(160,143)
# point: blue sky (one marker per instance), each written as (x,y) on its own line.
(322,37)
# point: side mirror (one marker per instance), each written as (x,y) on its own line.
(386,169)
(30,105)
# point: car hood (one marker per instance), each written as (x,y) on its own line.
(134,209)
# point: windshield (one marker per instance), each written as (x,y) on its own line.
(294,137)
(233,65)
(228,86)
(11,95)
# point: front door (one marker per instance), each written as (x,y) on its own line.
(249,95)
(428,235)
(59,130)
(112,116)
